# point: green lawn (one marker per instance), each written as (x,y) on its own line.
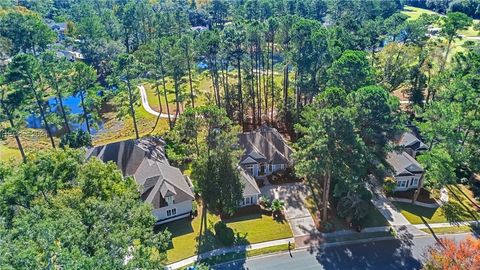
(254,227)
(7,153)
(414,12)
(449,230)
(374,218)
(458,208)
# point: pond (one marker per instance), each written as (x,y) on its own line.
(74,110)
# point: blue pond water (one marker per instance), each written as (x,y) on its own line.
(74,109)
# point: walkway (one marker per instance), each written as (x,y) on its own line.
(222,251)
(446,224)
(297,214)
(146,106)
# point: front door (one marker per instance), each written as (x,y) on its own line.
(262,169)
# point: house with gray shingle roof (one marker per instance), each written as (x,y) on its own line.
(265,151)
(405,169)
(162,185)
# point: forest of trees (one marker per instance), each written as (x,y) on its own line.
(321,71)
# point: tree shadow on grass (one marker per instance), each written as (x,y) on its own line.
(455,213)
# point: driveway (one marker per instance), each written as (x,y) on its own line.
(297,214)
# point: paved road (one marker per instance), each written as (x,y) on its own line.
(386,254)
(147,107)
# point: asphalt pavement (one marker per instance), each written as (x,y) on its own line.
(405,253)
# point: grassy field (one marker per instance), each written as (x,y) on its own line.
(254,228)
(458,208)
(450,230)
(7,153)
(414,13)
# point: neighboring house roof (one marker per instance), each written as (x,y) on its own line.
(265,144)
(403,164)
(145,161)
(409,140)
(250,185)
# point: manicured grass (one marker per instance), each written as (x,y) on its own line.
(457,209)
(254,228)
(414,12)
(122,129)
(449,230)
(374,218)
(415,213)
(7,153)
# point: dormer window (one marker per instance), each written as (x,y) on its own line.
(170,200)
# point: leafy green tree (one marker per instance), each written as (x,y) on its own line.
(10,103)
(24,72)
(452,23)
(439,168)
(126,71)
(76,139)
(59,211)
(26,30)
(351,71)
(329,152)
(84,85)
(56,70)
(377,116)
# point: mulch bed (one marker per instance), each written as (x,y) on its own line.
(283,177)
(423,197)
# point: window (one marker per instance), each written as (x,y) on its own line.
(415,182)
(247,200)
(171,212)
(401,183)
(169,200)
(249,169)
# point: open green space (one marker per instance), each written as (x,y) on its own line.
(414,13)
(450,230)
(7,153)
(458,208)
(252,228)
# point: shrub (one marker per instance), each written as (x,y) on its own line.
(224,234)
(76,139)
(389,184)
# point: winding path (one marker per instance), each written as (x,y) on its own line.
(146,106)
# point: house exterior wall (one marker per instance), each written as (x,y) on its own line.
(269,169)
(182,209)
(249,200)
(405,182)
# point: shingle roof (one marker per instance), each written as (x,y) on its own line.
(408,139)
(250,185)
(145,160)
(264,145)
(403,164)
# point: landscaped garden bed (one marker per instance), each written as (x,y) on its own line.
(283,177)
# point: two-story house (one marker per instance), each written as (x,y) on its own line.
(162,185)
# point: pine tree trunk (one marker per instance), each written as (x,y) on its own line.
(17,138)
(326,193)
(285,89)
(271,74)
(175,84)
(192,96)
(42,113)
(252,90)
(170,125)
(85,113)
(132,110)
(240,95)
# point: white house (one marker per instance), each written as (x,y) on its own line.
(265,151)
(407,172)
(251,192)
(162,185)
